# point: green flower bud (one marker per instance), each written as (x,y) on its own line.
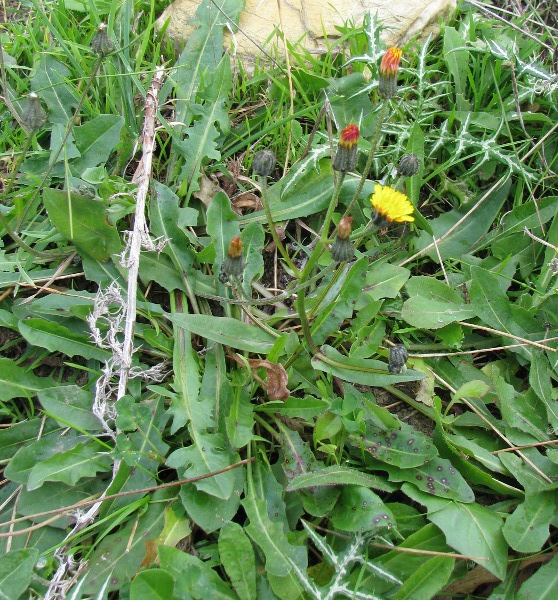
(34,116)
(398,356)
(101,43)
(264,163)
(408,165)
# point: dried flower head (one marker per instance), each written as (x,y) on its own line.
(346,157)
(391,205)
(387,82)
(34,116)
(264,163)
(101,43)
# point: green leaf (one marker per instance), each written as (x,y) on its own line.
(69,467)
(431,314)
(50,82)
(185,406)
(253,239)
(310,194)
(238,560)
(385,281)
(201,142)
(57,338)
(119,554)
(240,421)
(44,448)
(193,578)
(202,54)
(541,383)
(96,140)
(403,447)
(360,509)
(359,370)
(164,213)
(19,382)
(83,221)
(527,528)
(70,405)
(433,304)
(211,512)
(337,475)
(427,580)
(222,225)
(491,304)
(475,531)
(438,476)
(16,570)
(457,57)
(302,408)
(463,238)
(226,331)
(206,455)
(543,585)
(270,537)
(17,435)
(154,584)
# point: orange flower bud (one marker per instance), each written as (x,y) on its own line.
(235,248)
(390,62)
(344,229)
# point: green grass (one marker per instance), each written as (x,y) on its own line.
(260,447)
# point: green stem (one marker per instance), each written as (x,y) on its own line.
(276,239)
(312,261)
(382,113)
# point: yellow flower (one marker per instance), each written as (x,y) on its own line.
(391,204)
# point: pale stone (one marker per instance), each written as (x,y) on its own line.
(311,21)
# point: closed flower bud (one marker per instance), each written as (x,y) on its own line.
(408,165)
(264,163)
(233,263)
(34,116)
(347,152)
(387,81)
(344,229)
(342,249)
(101,43)
(398,356)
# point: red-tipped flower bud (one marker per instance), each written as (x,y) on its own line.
(346,157)
(387,82)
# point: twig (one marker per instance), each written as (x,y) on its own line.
(60,512)
(508,335)
(142,177)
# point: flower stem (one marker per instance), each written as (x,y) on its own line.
(276,239)
(382,113)
(307,271)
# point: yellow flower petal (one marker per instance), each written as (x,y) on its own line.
(392,205)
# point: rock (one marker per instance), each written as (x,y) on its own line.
(310,21)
